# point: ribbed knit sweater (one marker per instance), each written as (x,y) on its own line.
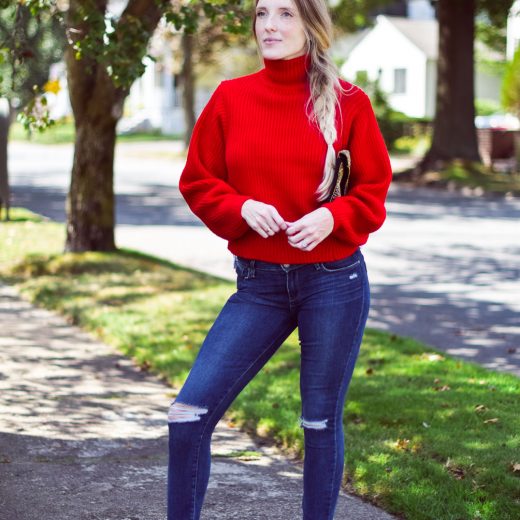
(254,140)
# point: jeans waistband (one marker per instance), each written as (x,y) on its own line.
(271,266)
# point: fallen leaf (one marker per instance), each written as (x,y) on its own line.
(429,356)
(456,471)
(369,371)
(515,467)
(495,420)
(402,444)
(425,424)
(480,408)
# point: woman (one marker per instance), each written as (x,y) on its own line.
(258,171)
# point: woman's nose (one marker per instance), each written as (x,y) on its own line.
(270,23)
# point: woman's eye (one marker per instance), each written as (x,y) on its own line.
(287,12)
(260,13)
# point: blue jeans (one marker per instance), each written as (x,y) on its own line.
(328,302)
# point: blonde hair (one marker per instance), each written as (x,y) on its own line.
(323,80)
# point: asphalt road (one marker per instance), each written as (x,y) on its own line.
(444,268)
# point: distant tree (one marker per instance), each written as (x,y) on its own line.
(28,46)
(511,85)
(454,134)
(202,47)
(104,55)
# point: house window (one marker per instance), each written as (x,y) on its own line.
(177,101)
(399,81)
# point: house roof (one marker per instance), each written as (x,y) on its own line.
(343,46)
(424,34)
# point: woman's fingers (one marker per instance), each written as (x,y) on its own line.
(310,230)
(262,218)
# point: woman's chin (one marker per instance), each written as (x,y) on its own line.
(273,54)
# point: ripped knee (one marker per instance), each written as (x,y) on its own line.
(313,425)
(181,412)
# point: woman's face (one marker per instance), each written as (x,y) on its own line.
(279,29)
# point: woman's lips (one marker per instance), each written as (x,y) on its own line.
(271,41)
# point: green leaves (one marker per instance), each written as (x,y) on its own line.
(510,95)
(232,14)
(35,115)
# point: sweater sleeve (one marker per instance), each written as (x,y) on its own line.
(203,182)
(362,211)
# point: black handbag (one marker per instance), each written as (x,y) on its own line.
(339,184)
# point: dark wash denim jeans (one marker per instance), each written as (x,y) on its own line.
(328,302)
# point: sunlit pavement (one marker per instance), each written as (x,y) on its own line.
(444,268)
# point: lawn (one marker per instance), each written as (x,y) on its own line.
(63,132)
(427,436)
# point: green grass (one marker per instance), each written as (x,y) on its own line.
(466,174)
(408,145)
(427,436)
(63,133)
(474,175)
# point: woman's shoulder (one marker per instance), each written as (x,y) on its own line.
(353,99)
(239,83)
(352,92)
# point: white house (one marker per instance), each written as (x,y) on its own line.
(153,99)
(402,53)
(513,29)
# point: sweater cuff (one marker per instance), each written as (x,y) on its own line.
(235,204)
(337,214)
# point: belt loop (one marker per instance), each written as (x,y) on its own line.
(251,269)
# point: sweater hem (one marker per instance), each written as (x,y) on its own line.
(296,256)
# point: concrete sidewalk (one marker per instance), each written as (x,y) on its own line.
(83,435)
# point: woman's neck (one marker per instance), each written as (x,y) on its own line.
(288,72)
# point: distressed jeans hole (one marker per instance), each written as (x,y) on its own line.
(313,425)
(181,412)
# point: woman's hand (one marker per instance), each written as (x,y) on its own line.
(263,218)
(307,232)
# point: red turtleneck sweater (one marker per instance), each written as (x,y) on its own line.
(254,140)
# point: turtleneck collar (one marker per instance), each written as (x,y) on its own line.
(288,72)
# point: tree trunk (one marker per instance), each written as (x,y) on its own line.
(188,86)
(97,105)
(90,201)
(5,123)
(454,134)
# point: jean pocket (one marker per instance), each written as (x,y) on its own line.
(336,266)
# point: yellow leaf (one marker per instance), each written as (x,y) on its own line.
(430,356)
(515,467)
(52,86)
(402,444)
(495,420)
